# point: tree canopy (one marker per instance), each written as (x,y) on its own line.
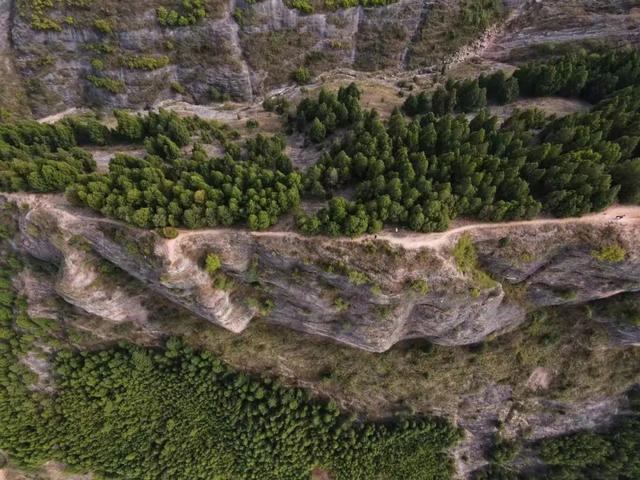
(443,156)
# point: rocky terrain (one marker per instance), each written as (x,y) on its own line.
(370,293)
(398,321)
(243,50)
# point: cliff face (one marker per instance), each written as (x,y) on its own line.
(56,64)
(240,50)
(369,293)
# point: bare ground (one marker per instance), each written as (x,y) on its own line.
(615,215)
(550,105)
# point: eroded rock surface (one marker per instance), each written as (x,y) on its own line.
(243,50)
(369,293)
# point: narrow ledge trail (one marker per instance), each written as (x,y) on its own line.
(628,215)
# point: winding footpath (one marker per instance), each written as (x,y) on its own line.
(615,215)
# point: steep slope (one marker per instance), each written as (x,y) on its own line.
(453,289)
(12,93)
(116,55)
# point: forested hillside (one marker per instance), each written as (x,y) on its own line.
(418,170)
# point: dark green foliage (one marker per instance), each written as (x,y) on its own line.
(317,131)
(136,413)
(88,130)
(167,189)
(41,158)
(423,172)
(301,75)
(420,174)
(45,158)
(612,454)
(501,89)
(627,175)
(328,113)
(504,451)
(590,76)
(216,96)
(277,104)
(135,128)
(130,128)
(455,96)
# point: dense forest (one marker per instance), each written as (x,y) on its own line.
(421,172)
(444,157)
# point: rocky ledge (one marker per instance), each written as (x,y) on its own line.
(451,288)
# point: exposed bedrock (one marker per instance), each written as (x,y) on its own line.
(369,293)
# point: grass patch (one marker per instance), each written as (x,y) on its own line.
(612,253)
(419,286)
(466,258)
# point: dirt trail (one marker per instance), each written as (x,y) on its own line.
(56,117)
(619,214)
(616,214)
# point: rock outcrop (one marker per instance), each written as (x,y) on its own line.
(58,63)
(369,293)
(242,50)
(239,50)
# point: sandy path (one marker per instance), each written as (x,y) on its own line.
(616,214)
(56,117)
(619,214)
(629,214)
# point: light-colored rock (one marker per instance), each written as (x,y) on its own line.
(303,282)
(540,379)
